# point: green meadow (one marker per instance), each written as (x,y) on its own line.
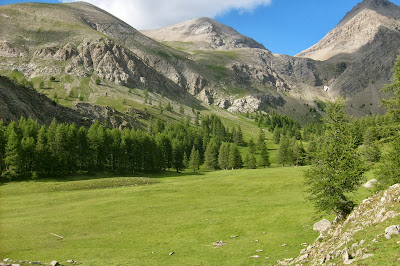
(141,220)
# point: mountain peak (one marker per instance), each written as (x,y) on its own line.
(359,27)
(204,33)
(383,7)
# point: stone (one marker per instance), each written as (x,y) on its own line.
(322,226)
(54,263)
(366,256)
(71,261)
(393,229)
(219,243)
(371,183)
(255,256)
(172,253)
(259,250)
(5,264)
(15,264)
(234,236)
(284,245)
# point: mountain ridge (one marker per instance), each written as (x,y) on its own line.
(211,33)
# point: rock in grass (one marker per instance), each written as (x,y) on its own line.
(71,261)
(259,250)
(219,243)
(255,256)
(234,236)
(322,225)
(172,253)
(54,263)
(393,229)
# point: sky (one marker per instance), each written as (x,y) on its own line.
(283,26)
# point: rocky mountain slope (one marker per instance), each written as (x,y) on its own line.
(18,101)
(358,28)
(369,235)
(102,60)
(204,33)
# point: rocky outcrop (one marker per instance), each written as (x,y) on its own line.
(350,241)
(253,103)
(8,50)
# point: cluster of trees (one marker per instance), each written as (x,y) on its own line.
(29,150)
(345,147)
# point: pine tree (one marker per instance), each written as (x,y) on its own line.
(223,157)
(251,162)
(235,159)
(210,156)
(284,154)
(277,134)
(3,142)
(252,147)
(82,149)
(260,139)
(238,137)
(264,157)
(389,172)
(338,168)
(393,103)
(185,160)
(12,158)
(194,161)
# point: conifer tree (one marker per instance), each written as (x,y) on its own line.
(194,161)
(264,157)
(338,168)
(277,134)
(284,154)
(250,161)
(12,158)
(252,146)
(235,159)
(223,157)
(185,160)
(260,139)
(210,156)
(3,142)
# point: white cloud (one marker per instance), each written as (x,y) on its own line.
(151,14)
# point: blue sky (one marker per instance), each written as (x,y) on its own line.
(283,26)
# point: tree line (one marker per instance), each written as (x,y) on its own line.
(31,150)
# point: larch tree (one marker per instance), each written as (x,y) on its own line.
(337,168)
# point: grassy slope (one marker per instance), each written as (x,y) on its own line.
(182,213)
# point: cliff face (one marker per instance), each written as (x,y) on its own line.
(369,235)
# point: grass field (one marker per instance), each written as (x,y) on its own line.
(139,221)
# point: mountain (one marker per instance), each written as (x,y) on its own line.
(77,53)
(204,33)
(358,28)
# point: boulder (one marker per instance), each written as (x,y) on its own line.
(371,183)
(322,225)
(54,263)
(393,229)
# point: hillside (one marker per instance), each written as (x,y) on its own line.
(18,101)
(369,235)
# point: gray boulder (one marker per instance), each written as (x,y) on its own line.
(393,229)
(322,225)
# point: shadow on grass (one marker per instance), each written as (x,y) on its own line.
(104,175)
